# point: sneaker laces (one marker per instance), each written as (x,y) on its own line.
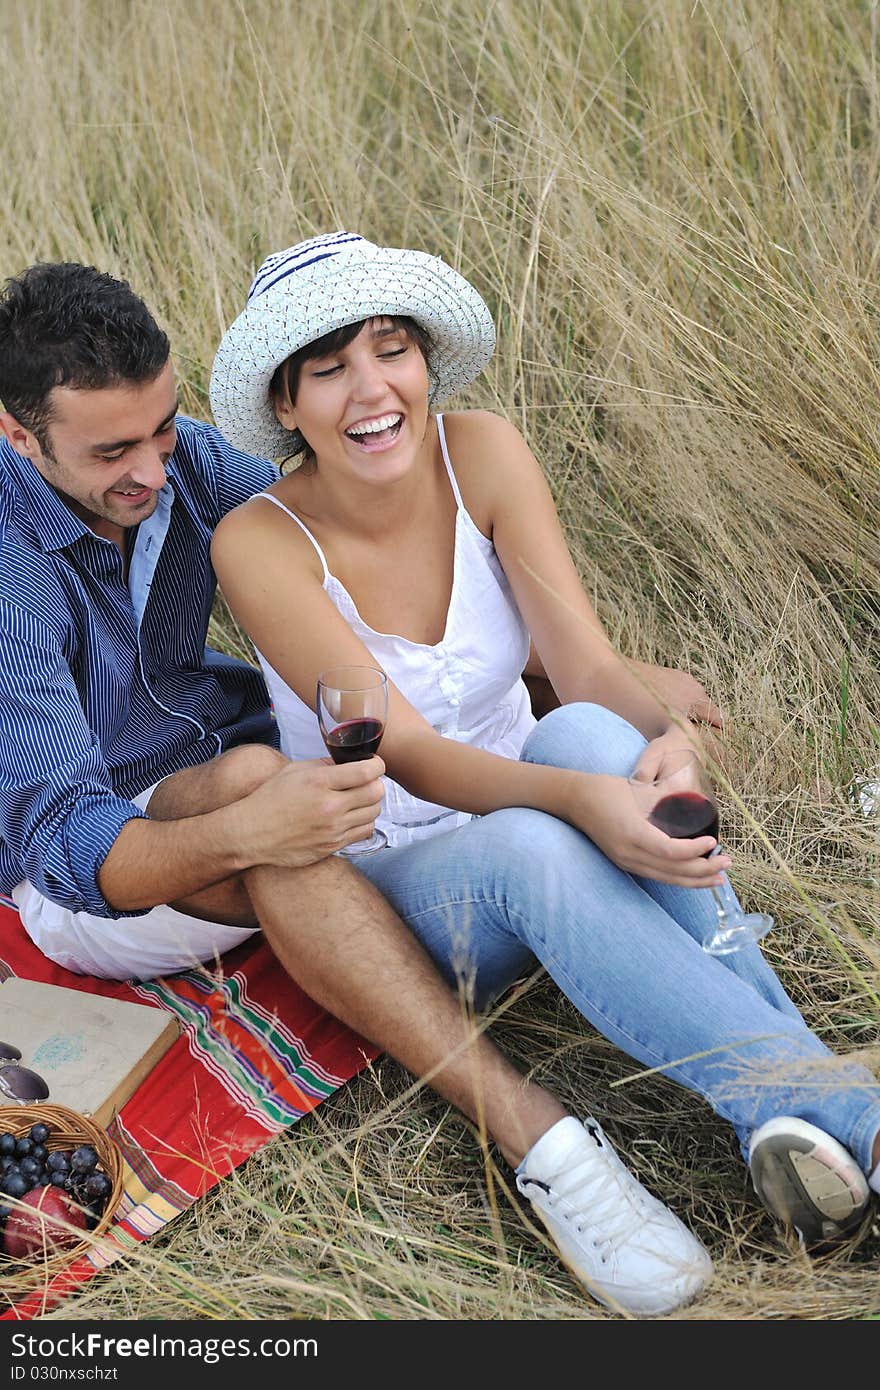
(599,1191)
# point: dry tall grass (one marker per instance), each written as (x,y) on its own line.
(672,209)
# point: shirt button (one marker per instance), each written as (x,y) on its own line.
(454,701)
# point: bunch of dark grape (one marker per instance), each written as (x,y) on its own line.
(26,1163)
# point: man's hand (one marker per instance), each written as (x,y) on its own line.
(611,818)
(207,825)
(309,810)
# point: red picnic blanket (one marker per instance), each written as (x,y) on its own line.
(255,1054)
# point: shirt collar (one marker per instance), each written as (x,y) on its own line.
(53,525)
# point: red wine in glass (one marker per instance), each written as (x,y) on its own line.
(685,816)
(354,740)
(352,709)
(681,803)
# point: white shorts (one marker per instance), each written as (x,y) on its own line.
(160,942)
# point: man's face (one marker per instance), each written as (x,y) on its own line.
(106,450)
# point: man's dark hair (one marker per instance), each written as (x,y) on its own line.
(71,325)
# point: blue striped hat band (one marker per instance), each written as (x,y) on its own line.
(285,263)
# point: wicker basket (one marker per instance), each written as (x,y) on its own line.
(67,1130)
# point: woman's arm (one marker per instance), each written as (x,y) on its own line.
(507,493)
(682,692)
(272,582)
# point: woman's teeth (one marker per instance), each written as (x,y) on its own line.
(375,431)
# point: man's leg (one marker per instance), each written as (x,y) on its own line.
(338,937)
(344,945)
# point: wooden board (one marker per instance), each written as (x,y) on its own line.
(92,1052)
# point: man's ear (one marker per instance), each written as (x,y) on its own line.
(23,441)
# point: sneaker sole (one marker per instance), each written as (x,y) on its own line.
(823,1196)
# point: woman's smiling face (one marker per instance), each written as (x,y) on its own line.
(364,405)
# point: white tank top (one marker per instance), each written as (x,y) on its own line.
(468,686)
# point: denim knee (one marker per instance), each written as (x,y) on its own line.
(586,737)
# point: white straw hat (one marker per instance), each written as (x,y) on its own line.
(326,283)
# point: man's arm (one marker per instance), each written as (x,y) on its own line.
(294,815)
(231,475)
(58,812)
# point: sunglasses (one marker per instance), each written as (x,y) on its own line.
(19,1084)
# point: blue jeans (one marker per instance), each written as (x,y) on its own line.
(489,899)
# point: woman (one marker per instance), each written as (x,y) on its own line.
(428,544)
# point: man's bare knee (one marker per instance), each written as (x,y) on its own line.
(330,891)
(224,780)
(240,771)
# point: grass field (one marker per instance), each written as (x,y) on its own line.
(672,210)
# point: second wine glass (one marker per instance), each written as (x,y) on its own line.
(352,708)
(682,804)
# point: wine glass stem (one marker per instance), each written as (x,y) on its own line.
(725,899)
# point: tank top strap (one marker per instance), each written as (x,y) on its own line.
(301,524)
(446,459)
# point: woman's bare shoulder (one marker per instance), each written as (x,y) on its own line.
(477,426)
(477,437)
(489,456)
(260,531)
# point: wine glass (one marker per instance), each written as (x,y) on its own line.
(682,804)
(352,707)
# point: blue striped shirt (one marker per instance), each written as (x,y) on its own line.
(106,685)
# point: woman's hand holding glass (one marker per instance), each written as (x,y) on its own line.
(609,816)
(679,801)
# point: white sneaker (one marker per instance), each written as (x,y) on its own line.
(625,1247)
(807,1179)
